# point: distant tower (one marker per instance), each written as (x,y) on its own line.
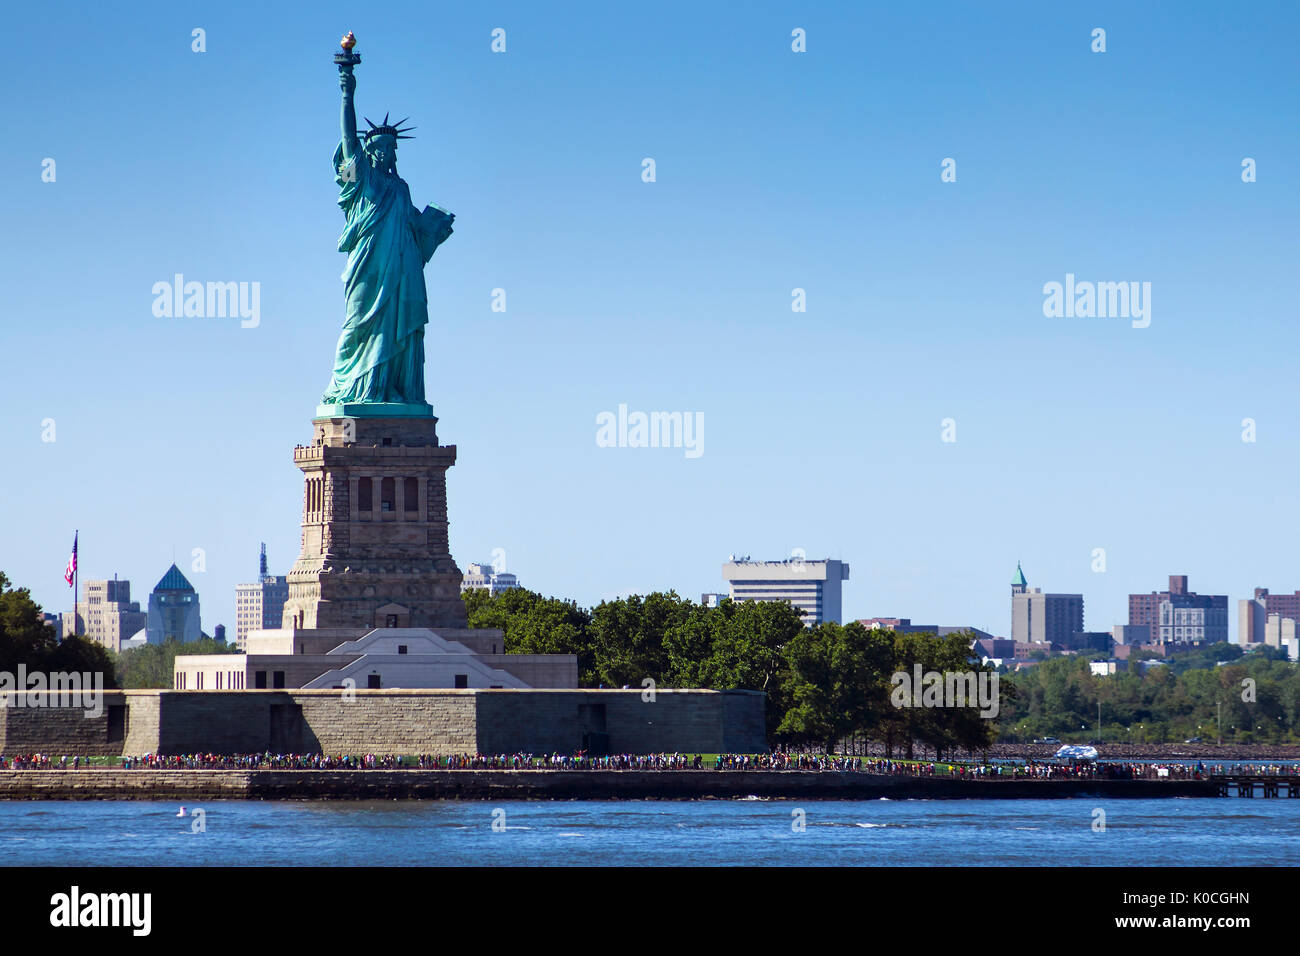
(259,606)
(1039,618)
(1021,607)
(173,610)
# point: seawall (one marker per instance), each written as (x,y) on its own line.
(552,785)
(393,721)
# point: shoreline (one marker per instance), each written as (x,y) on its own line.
(1208,752)
(115,784)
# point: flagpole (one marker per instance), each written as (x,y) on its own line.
(76,578)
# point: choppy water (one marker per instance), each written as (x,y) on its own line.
(754,832)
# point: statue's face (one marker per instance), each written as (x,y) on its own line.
(383,150)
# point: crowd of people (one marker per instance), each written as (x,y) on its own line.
(36,762)
(777,760)
(262,761)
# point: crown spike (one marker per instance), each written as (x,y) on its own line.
(387,128)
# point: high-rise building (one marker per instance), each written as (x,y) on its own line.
(483,577)
(814,588)
(1038,618)
(106,614)
(261,605)
(1180,616)
(173,610)
(1281,632)
(1253,613)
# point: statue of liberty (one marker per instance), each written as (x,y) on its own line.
(380,356)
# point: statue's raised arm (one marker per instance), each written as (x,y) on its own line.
(348,83)
(351,144)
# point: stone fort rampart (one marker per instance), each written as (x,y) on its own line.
(137,722)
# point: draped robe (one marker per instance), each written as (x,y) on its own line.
(380,355)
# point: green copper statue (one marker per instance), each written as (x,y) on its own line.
(380,357)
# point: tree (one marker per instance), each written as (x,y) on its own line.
(81,656)
(837,683)
(810,714)
(534,624)
(749,652)
(627,638)
(25,638)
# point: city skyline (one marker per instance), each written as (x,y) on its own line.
(1000,630)
(819,171)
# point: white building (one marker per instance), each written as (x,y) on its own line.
(482,577)
(1282,633)
(1106,668)
(814,588)
(405,657)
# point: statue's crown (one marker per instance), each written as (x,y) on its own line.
(385,128)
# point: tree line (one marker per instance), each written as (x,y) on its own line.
(823,683)
(26,639)
(1210,693)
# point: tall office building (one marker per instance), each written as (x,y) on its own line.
(173,610)
(106,614)
(1253,613)
(1040,618)
(813,587)
(1180,616)
(261,605)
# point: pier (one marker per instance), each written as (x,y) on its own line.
(1256,785)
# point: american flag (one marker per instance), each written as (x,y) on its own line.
(72,562)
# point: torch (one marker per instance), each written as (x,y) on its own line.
(347,59)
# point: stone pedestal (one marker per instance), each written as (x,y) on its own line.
(374,527)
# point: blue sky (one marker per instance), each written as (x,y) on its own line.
(775,170)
